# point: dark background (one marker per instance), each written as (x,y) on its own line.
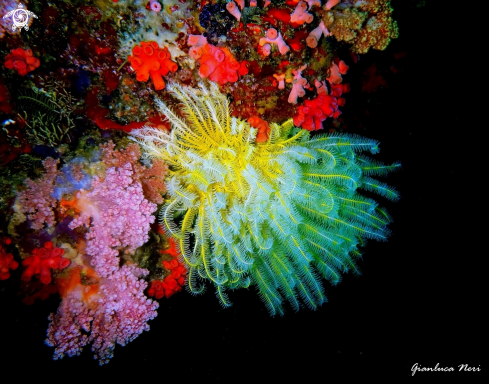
(418,299)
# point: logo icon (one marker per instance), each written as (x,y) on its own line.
(20,18)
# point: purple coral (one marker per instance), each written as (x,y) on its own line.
(37,199)
(120,214)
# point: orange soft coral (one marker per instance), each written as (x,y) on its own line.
(42,261)
(263,128)
(22,61)
(80,278)
(150,60)
(219,65)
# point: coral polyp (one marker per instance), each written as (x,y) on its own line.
(278,214)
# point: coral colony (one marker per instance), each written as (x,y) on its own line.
(154,147)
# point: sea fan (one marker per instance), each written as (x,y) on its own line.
(276,215)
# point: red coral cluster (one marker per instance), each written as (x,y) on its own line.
(7,262)
(219,65)
(172,283)
(42,261)
(150,60)
(22,61)
(311,115)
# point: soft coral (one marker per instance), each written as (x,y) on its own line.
(7,262)
(150,60)
(173,282)
(22,61)
(42,261)
(218,64)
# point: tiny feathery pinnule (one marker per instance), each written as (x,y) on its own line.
(277,215)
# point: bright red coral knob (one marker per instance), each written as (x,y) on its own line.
(22,61)
(150,60)
(42,261)
(7,263)
(173,282)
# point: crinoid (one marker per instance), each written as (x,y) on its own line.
(48,113)
(276,215)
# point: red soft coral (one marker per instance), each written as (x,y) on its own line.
(7,263)
(219,65)
(150,60)
(311,115)
(22,61)
(173,282)
(42,261)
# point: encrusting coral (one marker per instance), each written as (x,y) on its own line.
(276,214)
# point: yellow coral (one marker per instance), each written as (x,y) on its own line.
(370,25)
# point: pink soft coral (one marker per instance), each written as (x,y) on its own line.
(116,314)
(123,312)
(120,217)
(36,200)
(151,178)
